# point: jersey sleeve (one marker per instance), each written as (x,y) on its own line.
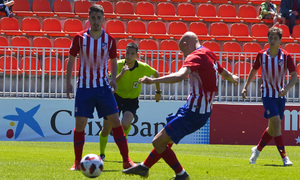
(75,45)
(257,62)
(290,64)
(148,70)
(113,49)
(193,62)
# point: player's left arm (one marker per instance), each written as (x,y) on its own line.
(171,78)
(158,91)
(113,71)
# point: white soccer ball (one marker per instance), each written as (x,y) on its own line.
(91,165)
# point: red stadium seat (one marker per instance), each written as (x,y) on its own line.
(232,50)
(187,12)
(242,69)
(219,31)
(10,26)
(240,32)
(18,43)
(62,8)
(166,11)
(108,9)
(62,42)
(81,8)
(125,10)
(293,48)
(52,27)
(161,66)
(32,27)
(208,12)
(227,13)
(149,48)
(4,42)
(200,29)
(53,66)
(137,29)
(177,29)
(76,66)
(122,43)
(260,32)
(41,43)
(10,65)
(296,32)
(116,28)
(286,36)
(219,1)
(173,65)
(42,8)
(199,1)
(145,11)
(251,49)
(31,66)
(248,13)
(22,8)
(239,1)
(213,46)
(169,45)
(158,30)
(72,26)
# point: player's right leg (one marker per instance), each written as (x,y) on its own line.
(78,140)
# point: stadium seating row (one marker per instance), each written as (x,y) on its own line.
(144,10)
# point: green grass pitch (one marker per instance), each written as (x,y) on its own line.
(51,160)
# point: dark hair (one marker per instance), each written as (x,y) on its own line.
(96,8)
(276,30)
(132,45)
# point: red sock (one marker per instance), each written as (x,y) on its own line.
(153,157)
(264,140)
(78,144)
(121,141)
(279,143)
(169,156)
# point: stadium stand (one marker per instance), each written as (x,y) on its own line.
(42,8)
(240,32)
(158,30)
(125,10)
(145,11)
(53,66)
(9,65)
(76,66)
(52,27)
(232,47)
(161,66)
(248,13)
(200,29)
(251,47)
(116,28)
(10,26)
(173,65)
(166,46)
(31,66)
(42,45)
(108,9)
(227,13)
(293,48)
(122,43)
(296,33)
(72,26)
(208,12)
(177,29)
(4,44)
(220,32)
(186,12)
(259,32)
(62,8)
(242,69)
(137,29)
(81,8)
(166,11)
(22,8)
(21,45)
(62,42)
(286,37)
(31,26)
(213,46)
(148,48)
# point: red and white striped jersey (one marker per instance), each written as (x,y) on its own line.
(94,55)
(273,71)
(203,79)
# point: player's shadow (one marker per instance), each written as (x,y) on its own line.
(274,165)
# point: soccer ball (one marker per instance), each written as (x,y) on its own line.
(91,165)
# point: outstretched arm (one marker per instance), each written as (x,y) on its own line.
(230,77)
(171,78)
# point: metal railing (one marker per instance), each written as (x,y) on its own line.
(47,75)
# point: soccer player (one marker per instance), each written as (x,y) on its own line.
(95,48)
(203,68)
(273,63)
(129,72)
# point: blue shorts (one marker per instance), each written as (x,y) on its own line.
(184,122)
(273,107)
(101,98)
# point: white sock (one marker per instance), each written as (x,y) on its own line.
(181,173)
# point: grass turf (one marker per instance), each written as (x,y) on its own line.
(51,160)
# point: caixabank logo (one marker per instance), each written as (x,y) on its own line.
(23,118)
